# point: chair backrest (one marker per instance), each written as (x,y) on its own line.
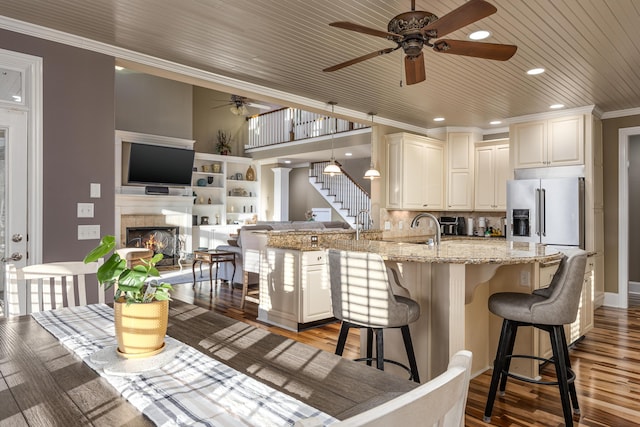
(439,402)
(563,294)
(360,289)
(48,286)
(252,245)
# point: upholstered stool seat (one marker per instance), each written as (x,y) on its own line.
(362,296)
(547,309)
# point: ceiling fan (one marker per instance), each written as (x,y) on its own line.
(239,105)
(413,30)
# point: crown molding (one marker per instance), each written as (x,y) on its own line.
(621,113)
(589,109)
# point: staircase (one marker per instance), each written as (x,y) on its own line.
(341,191)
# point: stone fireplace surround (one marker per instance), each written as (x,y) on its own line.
(140,210)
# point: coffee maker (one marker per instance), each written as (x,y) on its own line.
(452,225)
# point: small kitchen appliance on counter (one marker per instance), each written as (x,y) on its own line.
(452,225)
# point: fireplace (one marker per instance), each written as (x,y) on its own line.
(164,240)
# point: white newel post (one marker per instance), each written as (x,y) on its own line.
(281,194)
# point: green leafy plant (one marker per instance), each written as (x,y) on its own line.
(132,283)
(223,145)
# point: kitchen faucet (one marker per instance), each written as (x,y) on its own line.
(416,220)
(363,211)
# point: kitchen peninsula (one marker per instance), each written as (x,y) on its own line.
(443,280)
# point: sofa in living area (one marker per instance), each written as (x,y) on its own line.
(245,233)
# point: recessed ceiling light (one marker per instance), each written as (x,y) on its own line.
(495,122)
(439,119)
(119,68)
(556,106)
(479,35)
(348,154)
(287,161)
(534,71)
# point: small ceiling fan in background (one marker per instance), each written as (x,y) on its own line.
(239,105)
(413,30)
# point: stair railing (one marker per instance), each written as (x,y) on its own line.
(348,193)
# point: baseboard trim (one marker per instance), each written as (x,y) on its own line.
(611,300)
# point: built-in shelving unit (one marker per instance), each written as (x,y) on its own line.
(223,194)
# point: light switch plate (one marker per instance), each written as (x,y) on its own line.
(85,210)
(95,190)
(89,232)
(387,225)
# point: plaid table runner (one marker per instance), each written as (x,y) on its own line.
(190,389)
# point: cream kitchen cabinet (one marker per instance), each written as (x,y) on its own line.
(491,175)
(415,172)
(553,142)
(460,166)
(294,288)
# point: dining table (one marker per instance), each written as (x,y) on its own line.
(44,383)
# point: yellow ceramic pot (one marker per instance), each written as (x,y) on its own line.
(140,328)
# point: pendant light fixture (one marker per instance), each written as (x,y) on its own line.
(372,173)
(332,168)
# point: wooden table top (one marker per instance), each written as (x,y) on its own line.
(50,386)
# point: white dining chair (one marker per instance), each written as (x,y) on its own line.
(48,286)
(440,402)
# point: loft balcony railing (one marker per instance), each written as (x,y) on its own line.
(293,124)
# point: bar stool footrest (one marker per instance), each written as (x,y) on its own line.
(571,376)
(393,362)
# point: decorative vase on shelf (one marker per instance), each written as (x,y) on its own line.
(251,174)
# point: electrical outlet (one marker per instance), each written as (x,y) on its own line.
(400,224)
(525,278)
(89,232)
(85,210)
(387,225)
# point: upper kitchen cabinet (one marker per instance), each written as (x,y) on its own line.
(415,172)
(491,175)
(553,142)
(460,166)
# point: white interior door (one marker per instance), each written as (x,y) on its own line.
(13,191)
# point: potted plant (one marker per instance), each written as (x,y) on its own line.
(141,306)
(224,143)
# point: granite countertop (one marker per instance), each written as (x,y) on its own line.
(425,238)
(471,251)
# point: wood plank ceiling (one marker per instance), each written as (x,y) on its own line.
(589,48)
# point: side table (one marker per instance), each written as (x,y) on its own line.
(212,256)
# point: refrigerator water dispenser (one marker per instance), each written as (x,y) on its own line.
(521,222)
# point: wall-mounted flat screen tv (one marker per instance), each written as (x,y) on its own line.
(159,165)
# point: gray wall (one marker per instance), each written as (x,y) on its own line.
(634,208)
(78,135)
(210,114)
(150,104)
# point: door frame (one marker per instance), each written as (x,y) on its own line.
(31,67)
(624,134)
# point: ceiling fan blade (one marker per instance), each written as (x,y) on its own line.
(470,12)
(414,69)
(360,59)
(498,52)
(365,30)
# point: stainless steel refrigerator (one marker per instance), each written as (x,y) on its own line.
(549,211)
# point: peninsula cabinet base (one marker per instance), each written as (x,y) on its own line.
(294,289)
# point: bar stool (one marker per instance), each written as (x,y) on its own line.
(548,309)
(362,297)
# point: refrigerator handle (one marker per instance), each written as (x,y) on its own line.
(543,211)
(537,211)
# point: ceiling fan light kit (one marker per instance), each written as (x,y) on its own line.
(413,30)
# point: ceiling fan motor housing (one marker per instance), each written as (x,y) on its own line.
(408,25)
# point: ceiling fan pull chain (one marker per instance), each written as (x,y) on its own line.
(401,71)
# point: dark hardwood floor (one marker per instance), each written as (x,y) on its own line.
(606,362)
